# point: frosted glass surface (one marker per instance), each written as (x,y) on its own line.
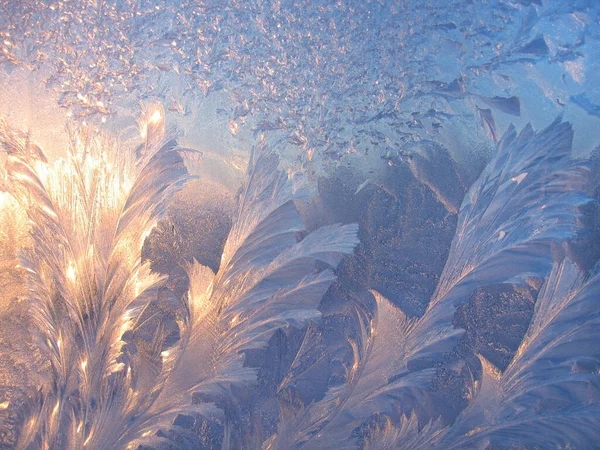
(299,225)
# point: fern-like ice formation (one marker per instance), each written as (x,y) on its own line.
(115,386)
(91,294)
(13,237)
(526,199)
(549,396)
(89,216)
(268,279)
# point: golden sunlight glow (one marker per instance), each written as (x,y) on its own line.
(88,439)
(56,407)
(86,193)
(138,287)
(4,199)
(156,117)
(42,170)
(71,275)
(153,116)
(89,170)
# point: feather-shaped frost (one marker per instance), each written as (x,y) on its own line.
(14,236)
(407,434)
(88,289)
(377,382)
(526,199)
(267,280)
(549,396)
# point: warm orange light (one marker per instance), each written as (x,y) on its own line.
(153,116)
(71,275)
(4,199)
(156,117)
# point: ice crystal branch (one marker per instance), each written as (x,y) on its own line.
(549,394)
(268,279)
(526,199)
(88,289)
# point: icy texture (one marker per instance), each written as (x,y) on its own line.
(524,200)
(266,281)
(407,263)
(330,79)
(91,294)
(131,364)
(87,287)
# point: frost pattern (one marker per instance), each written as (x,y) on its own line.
(526,199)
(92,295)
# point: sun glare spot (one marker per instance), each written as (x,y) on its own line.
(71,274)
(56,407)
(156,117)
(5,200)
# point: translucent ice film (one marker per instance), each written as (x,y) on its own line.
(293,224)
